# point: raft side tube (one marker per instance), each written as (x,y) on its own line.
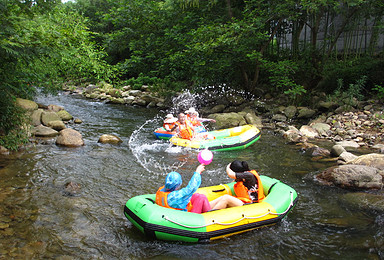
(169,224)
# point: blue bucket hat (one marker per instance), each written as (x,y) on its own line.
(172,182)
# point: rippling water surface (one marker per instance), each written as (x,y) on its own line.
(38,220)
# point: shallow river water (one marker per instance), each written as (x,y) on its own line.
(38,220)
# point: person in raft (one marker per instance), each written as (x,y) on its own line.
(171,196)
(248,187)
(183,127)
(196,121)
(169,122)
(185,130)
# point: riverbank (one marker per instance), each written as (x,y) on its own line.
(357,124)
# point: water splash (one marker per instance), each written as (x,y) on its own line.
(184,101)
(158,156)
(153,154)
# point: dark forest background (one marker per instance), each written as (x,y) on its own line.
(291,48)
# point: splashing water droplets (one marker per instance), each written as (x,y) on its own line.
(154,155)
(158,156)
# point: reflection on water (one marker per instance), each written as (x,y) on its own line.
(39,220)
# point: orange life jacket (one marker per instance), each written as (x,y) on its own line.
(242,191)
(185,131)
(161,200)
(194,121)
(170,126)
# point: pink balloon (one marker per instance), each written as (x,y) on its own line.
(205,157)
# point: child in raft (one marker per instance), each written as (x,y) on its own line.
(248,187)
(196,121)
(169,122)
(185,129)
(171,196)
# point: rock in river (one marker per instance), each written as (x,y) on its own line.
(109,139)
(70,137)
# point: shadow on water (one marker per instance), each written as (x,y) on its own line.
(39,221)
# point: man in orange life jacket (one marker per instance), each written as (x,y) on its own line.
(183,127)
(248,187)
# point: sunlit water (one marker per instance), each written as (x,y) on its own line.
(38,220)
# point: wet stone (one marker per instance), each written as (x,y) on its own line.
(4,225)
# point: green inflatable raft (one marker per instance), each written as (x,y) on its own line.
(235,138)
(168,224)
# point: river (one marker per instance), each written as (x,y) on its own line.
(38,220)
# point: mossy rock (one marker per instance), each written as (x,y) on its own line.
(64,115)
(26,104)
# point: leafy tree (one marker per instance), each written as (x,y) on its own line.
(41,45)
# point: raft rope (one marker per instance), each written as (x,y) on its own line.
(228,224)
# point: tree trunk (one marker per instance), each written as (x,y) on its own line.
(340,31)
(375,32)
(229,8)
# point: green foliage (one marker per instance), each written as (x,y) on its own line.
(12,118)
(349,95)
(41,45)
(379,91)
(350,71)
(295,92)
(281,77)
(137,83)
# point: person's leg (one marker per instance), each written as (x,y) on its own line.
(200,203)
(225,201)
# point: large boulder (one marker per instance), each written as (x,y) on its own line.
(115,92)
(57,125)
(348,144)
(327,105)
(316,151)
(44,131)
(3,150)
(55,108)
(109,139)
(337,150)
(227,120)
(135,92)
(47,117)
(346,157)
(36,117)
(70,138)
(26,104)
(305,112)
(308,131)
(293,135)
(279,118)
(64,115)
(352,177)
(372,160)
(252,119)
(321,128)
(217,109)
(290,111)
